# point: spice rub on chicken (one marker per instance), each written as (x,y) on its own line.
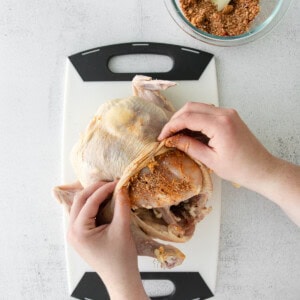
(166,196)
(168,189)
(168,179)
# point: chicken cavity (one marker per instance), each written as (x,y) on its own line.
(168,179)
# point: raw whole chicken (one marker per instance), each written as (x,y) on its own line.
(168,190)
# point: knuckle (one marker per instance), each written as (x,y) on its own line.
(189,106)
(186,115)
(225,120)
(231,112)
(226,123)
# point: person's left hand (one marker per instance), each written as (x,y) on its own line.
(109,249)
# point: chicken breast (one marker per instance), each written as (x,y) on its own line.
(168,189)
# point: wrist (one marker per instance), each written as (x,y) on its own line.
(256,173)
(267,181)
(127,286)
(132,291)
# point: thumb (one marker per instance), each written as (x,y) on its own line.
(192,147)
(122,209)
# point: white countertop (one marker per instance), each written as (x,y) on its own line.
(259,247)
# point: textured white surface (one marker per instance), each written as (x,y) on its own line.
(259,246)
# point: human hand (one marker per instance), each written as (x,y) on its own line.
(232,152)
(235,154)
(109,249)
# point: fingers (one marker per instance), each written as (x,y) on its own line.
(81,198)
(91,207)
(122,209)
(197,107)
(194,116)
(192,121)
(192,147)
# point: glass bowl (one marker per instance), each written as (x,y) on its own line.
(271,12)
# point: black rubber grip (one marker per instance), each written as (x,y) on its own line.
(188,63)
(188,286)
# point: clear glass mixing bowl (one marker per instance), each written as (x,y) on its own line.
(271,12)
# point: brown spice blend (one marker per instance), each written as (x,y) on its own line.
(147,186)
(234,19)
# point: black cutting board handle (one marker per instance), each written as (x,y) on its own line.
(188,63)
(188,286)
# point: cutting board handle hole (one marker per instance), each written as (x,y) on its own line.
(159,288)
(140,63)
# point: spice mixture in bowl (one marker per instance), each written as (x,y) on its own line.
(238,22)
(234,19)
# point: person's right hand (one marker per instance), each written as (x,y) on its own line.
(233,152)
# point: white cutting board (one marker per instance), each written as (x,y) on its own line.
(81,101)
